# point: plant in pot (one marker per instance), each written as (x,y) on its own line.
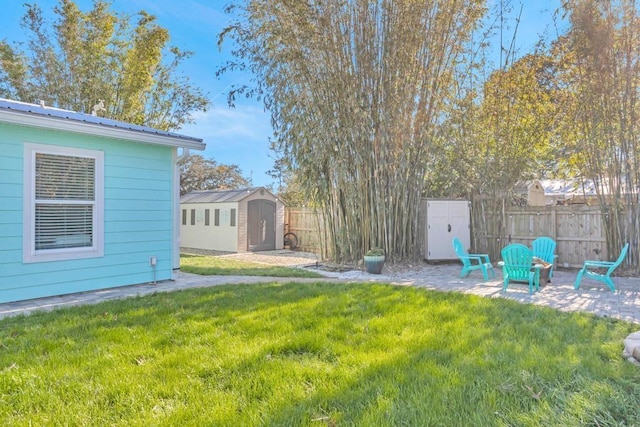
(374,260)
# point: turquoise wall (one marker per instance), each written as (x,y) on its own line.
(137,212)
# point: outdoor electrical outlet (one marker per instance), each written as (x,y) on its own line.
(152,261)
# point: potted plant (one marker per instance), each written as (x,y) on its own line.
(374,260)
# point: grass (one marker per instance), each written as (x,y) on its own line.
(225,266)
(315,354)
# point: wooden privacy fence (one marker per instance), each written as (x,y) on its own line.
(309,228)
(577,229)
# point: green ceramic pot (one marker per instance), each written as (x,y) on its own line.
(374,263)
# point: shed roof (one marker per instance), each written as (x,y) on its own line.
(523,187)
(217,196)
(23,113)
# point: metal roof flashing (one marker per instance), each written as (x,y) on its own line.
(21,113)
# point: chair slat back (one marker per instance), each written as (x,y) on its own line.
(623,255)
(461,252)
(544,248)
(517,261)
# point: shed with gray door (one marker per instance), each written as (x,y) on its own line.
(240,220)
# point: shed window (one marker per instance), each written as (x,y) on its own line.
(193,217)
(63,203)
(184,217)
(232,219)
(206,217)
(216,217)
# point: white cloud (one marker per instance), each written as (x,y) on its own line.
(248,122)
(236,136)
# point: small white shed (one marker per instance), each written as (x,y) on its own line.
(442,220)
(240,220)
(532,192)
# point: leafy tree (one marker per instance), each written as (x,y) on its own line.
(492,139)
(86,57)
(517,123)
(356,91)
(198,173)
(567,109)
(599,66)
(286,182)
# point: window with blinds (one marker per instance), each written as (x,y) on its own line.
(63,203)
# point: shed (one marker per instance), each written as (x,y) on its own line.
(86,202)
(441,220)
(531,192)
(240,220)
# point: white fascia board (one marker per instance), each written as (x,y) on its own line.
(63,124)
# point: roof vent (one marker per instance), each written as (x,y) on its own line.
(98,107)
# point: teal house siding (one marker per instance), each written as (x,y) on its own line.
(139,219)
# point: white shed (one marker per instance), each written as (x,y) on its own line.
(442,220)
(240,220)
(532,192)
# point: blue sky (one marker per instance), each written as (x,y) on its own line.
(240,135)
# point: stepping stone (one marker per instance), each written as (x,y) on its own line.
(632,347)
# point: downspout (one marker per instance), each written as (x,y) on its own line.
(177,158)
(184,155)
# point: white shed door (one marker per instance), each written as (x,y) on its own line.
(446,219)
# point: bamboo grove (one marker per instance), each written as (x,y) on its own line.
(355,89)
(376,104)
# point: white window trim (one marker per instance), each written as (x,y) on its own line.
(29,253)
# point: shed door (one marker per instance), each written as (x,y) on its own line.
(261,226)
(446,219)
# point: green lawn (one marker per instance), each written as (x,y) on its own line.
(225,266)
(315,354)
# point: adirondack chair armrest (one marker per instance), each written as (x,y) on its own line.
(485,257)
(600,264)
(537,268)
(471,258)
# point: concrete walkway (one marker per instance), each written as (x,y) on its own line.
(592,297)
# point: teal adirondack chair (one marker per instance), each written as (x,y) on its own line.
(517,265)
(472,262)
(544,248)
(593,270)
